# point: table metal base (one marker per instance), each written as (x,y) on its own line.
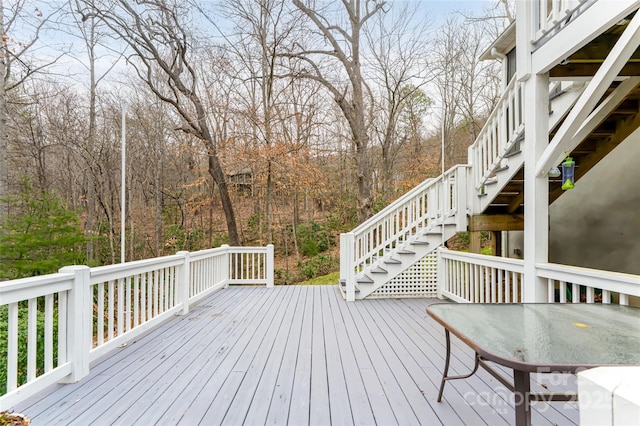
(521,386)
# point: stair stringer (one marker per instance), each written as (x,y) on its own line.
(513,158)
(406,254)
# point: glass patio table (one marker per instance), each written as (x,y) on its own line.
(540,338)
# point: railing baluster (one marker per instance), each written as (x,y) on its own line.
(12,347)
(136,300)
(110,310)
(120,317)
(128,303)
(100,314)
(48,332)
(62,327)
(32,340)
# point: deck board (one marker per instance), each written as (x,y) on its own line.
(295,355)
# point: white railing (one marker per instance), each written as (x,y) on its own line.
(422,208)
(499,134)
(476,278)
(582,285)
(552,13)
(466,277)
(75,316)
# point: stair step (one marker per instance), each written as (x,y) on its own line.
(407,251)
(491,181)
(512,153)
(419,243)
(379,270)
(438,233)
(364,280)
(483,194)
(343,287)
(500,169)
(392,261)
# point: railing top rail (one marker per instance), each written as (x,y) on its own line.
(552,270)
(27,288)
(18,284)
(516,265)
(238,249)
(208,252)
(100,273)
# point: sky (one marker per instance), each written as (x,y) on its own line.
(435,10)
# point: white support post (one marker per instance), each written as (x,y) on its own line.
(346,265)
(226,266)
(536,190)
(270,265)
(525,29)
(184,281)
(79,323)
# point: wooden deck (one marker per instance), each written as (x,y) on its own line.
(289,355)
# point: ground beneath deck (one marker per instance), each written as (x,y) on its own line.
(294,355)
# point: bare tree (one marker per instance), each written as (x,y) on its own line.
(91,37)
(464,84)
(342,43)
(164,59)
(399,66)
(16,67)
(262,27)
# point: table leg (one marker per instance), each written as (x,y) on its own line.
(446,364)
(521,393)
(445,376)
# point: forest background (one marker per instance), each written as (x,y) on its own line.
(247,122)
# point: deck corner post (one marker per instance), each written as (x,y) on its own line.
(79,322)
(226,265)
(270,265)
(183,283)
(347,241)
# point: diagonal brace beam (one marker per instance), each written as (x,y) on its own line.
(563,141)
(604,109)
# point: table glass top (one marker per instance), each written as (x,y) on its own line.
(547,334)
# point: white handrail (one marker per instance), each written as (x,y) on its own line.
(498,135)
(552,14)
(98,309)
(604,285)
(476,278)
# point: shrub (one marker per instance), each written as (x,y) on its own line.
(318,265)
(313,238)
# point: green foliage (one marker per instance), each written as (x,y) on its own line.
(23,312)
(317,265)
(40,236)
(314,238)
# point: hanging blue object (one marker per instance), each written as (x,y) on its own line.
(568,173)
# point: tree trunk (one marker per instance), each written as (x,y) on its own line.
(215,170)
